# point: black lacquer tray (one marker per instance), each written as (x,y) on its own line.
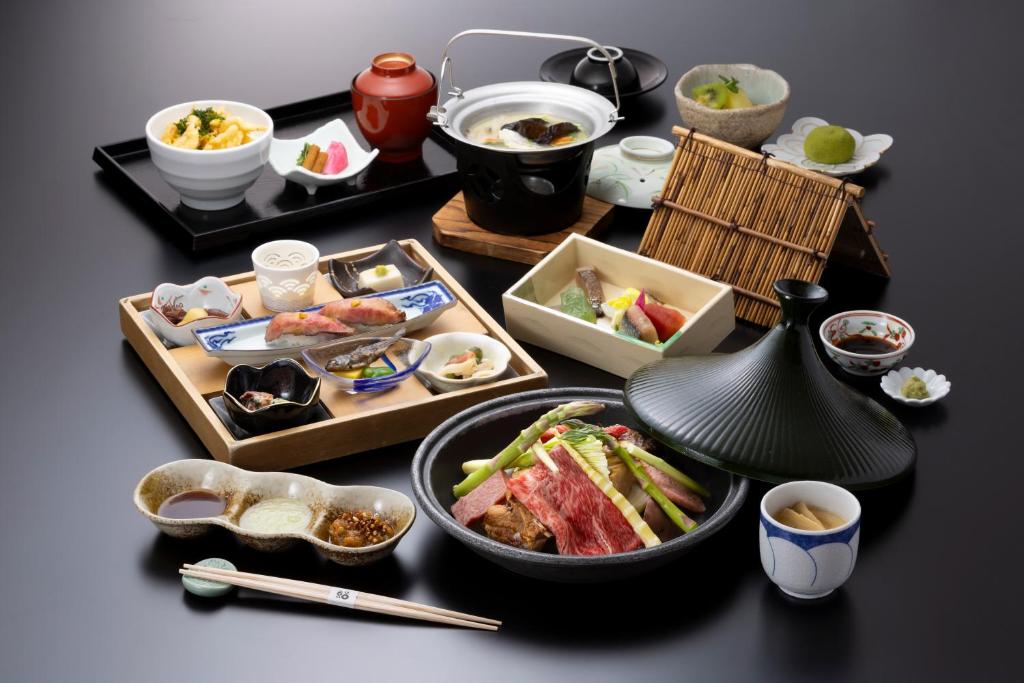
(272,203)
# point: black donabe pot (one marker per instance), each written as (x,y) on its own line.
(523,191)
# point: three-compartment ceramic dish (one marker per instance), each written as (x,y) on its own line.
(533,312)
(240,491)
(868,149)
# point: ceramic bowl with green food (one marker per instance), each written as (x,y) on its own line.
(740,103)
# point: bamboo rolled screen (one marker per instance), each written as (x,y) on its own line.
(742,218)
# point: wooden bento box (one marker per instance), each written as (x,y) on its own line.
(532,307)
(349,423)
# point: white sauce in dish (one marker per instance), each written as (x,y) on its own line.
(277,516)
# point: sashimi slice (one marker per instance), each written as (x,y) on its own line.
(636,324)
(667,321)
(305,324)
(368,311)
(337,158)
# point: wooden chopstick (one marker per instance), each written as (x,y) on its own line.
(321,593)
(368,597)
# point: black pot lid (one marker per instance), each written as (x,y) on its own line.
(772,411)
(651,70)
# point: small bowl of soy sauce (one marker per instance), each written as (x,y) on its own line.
(866,343)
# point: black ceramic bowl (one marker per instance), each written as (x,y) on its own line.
(345,273)
(284,378)
(483,430)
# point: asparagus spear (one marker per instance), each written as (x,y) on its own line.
(640,454)
(658,463)
(656,494)
(525,441)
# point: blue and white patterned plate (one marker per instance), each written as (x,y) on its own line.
(243,341)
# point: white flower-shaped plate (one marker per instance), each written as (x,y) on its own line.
(790,148)
(284,153)
(938,385)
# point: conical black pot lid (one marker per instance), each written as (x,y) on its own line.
(773,411)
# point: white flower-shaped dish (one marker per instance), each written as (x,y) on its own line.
(207,292)
(790,148)
(284,153)
(938,385)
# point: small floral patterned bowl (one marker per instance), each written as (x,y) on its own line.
(883,326)
(209,292)
(938,385)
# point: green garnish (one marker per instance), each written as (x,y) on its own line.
(477,352)
(302,155)
(373,372)
(205,116)
(731,84)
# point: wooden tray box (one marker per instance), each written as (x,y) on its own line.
(356,423)
(530,317)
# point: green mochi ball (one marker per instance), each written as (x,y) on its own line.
(829,145)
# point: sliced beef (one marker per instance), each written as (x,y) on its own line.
(471,507)
(512,523)
(581,517)
(673,490)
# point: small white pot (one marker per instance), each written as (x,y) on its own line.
(809,564)
(286,273)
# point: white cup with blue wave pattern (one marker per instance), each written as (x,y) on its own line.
(809,564)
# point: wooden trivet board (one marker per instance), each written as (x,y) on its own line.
(452,228)
(741,218)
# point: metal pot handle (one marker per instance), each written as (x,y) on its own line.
(437,113)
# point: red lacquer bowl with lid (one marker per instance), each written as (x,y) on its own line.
(391,100)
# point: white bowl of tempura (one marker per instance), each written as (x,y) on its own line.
(210,151)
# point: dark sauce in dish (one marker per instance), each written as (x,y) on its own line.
(867,345)
(193,504)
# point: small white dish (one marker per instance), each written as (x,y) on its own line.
(210,180)
(208,292)
(809,564)
(938,385)
(631,172)
(286,272)
(790,148)
(284,153)
(444,346)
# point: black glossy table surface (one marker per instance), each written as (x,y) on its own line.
(89,590)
